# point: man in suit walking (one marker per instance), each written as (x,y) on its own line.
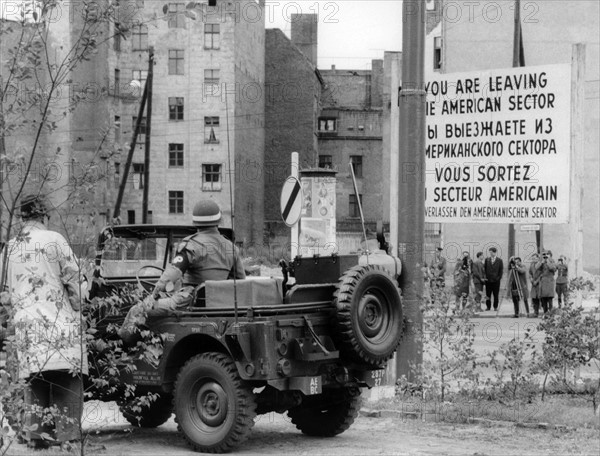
(494,268)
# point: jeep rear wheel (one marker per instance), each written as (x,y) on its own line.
(327,414)
(369,314)
(150,416)
(214,408)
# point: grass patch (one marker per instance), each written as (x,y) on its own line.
(556,410)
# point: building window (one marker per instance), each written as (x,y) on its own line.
(353,210)
(117,175)
(175,202)
(138,176)
(139,37)
(117,37)
(326,161)
(175,61)
(357,165)
(437,53)
(212,36)
(117,82)
(210,124)
(211,77)
(176,15)
(327,124)
(131,217)
(141,138)
(175,108)
(211,177)
(140,75)
(117,128)
(175,155)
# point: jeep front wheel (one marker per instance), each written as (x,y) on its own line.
(327,414)
(369,314)
(214,408)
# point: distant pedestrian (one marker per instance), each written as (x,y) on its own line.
(494,268)
(546,267)
(478,274)
(516,286)
(462,280)
(562,280)
(438,270)
(534,278)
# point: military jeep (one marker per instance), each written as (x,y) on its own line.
(304,343)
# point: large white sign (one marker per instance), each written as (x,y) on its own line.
(498,146)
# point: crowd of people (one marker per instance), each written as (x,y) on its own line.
(541,281)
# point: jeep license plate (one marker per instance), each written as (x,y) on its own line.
(308,385)
(372,378)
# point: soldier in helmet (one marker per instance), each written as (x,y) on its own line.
(205,255)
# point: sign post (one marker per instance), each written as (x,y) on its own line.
(290,204)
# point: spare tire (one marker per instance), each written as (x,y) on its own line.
(369,314)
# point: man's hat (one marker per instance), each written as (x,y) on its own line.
(33,206)
(206,213)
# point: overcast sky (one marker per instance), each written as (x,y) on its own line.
(350,32)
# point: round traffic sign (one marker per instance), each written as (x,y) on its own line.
(291,201)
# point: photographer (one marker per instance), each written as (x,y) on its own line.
(516,287)
(562,280)
(462,280)
(546,267)
(534,278)
(478,274)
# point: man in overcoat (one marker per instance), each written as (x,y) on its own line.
(494,268)
(546,268)
(46,287)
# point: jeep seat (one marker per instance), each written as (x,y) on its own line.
(256,291)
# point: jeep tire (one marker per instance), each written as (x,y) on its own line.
(369,315)
(327,414)
(214,408)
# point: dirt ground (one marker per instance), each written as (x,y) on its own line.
(110,435)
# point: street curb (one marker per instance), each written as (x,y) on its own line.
(399,414)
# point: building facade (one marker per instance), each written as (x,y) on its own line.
(207,119)
(293,88)
(350,133)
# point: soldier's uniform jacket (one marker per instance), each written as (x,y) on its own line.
(562,273)
(205,255)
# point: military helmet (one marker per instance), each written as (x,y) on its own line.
(206,213)
(33,206)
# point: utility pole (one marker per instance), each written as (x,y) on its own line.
(147,140)
(519,61)
(133,143)
(411,188)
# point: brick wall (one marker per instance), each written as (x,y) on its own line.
(292,96)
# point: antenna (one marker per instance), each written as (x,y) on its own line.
(362,217)
(235,302)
